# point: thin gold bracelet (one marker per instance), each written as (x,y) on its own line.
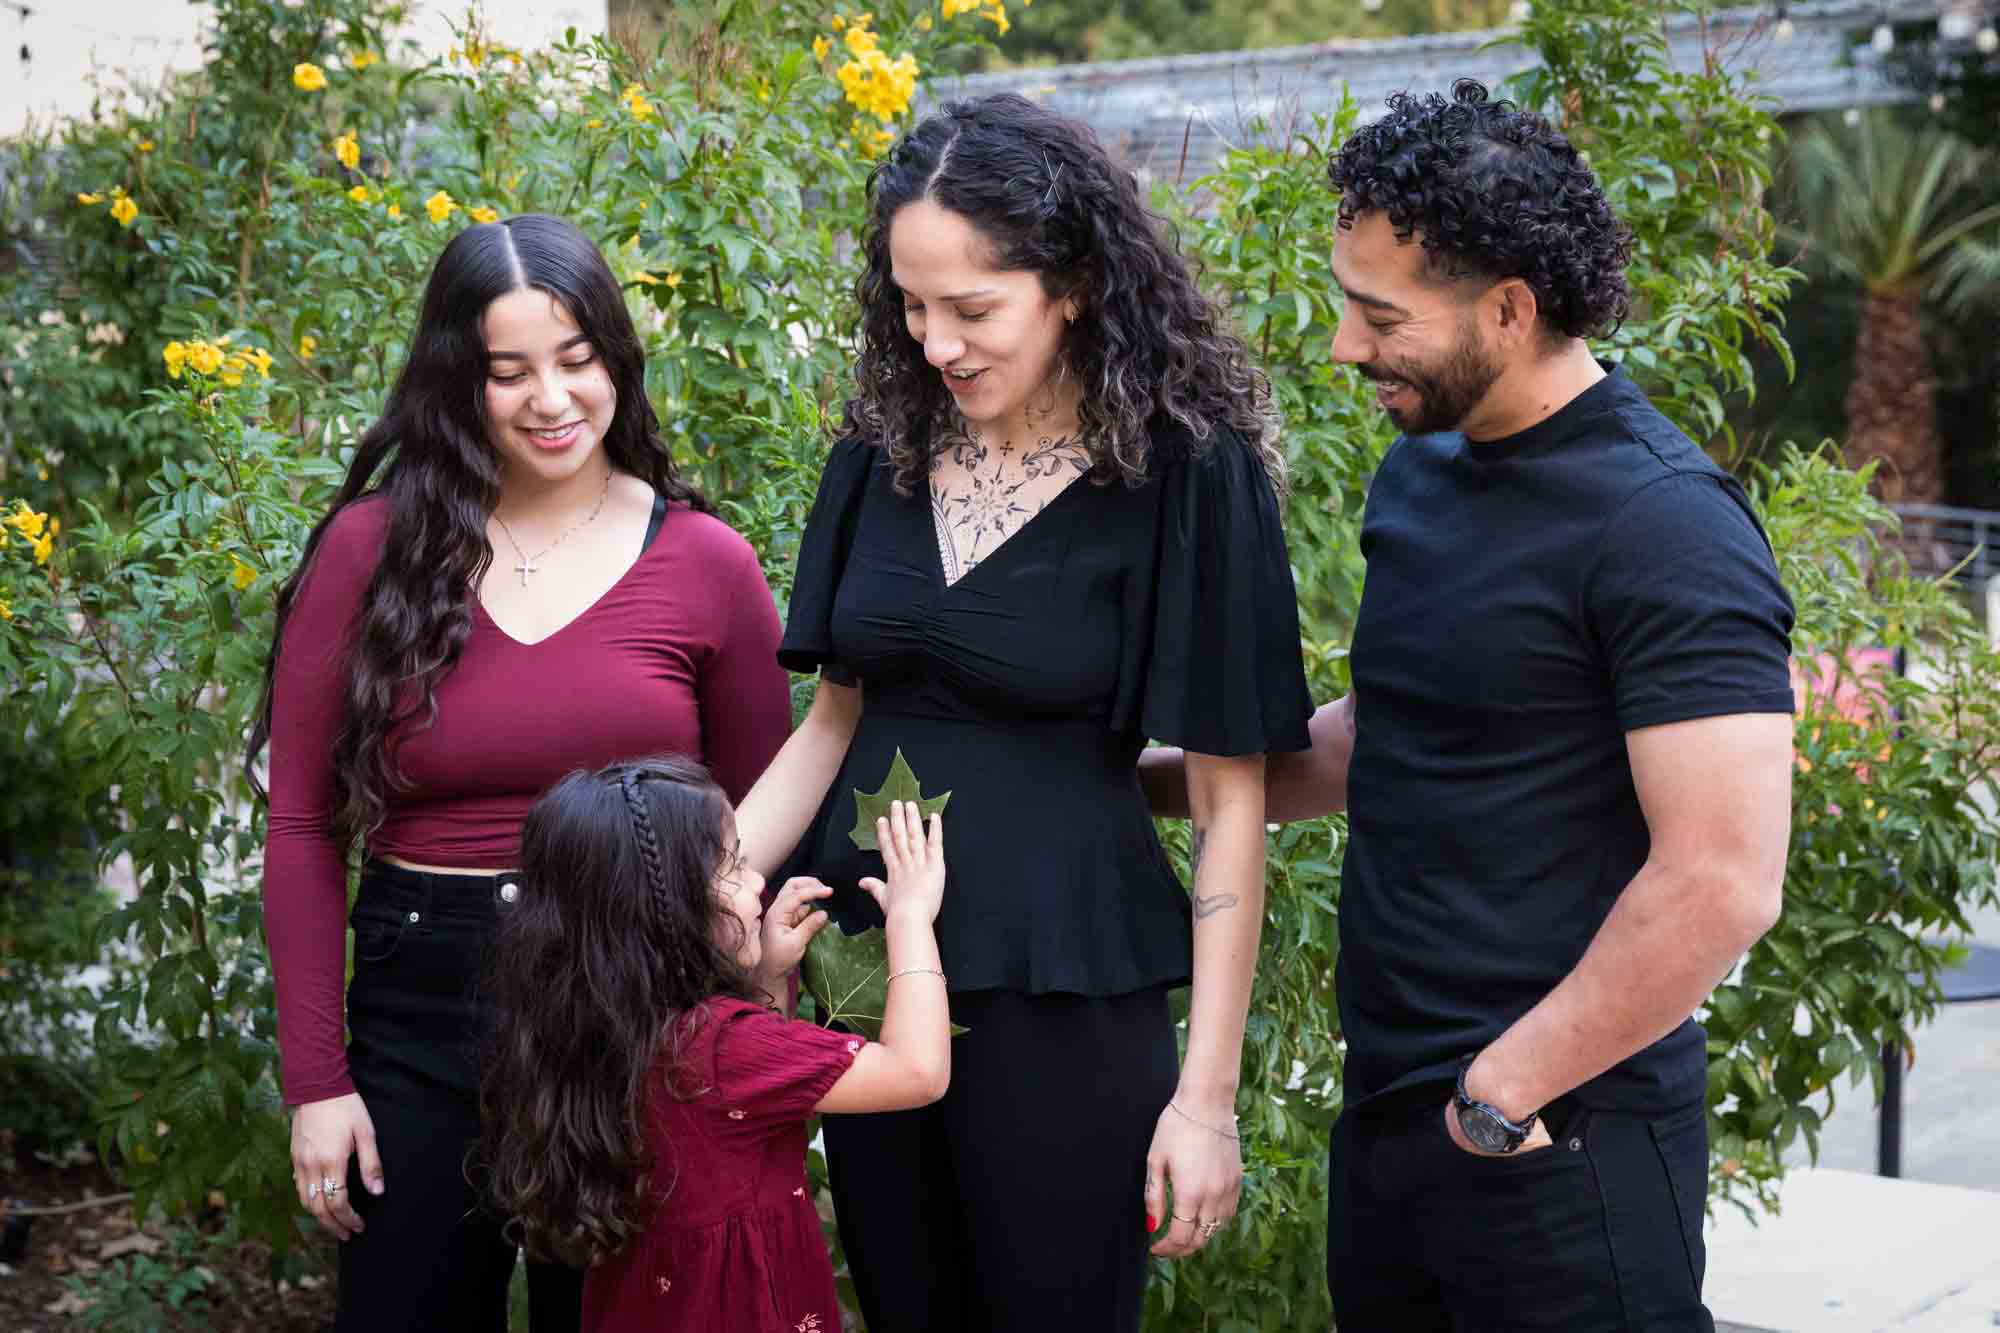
(910,970)
(1205,1125)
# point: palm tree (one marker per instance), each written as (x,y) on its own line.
(1899,211)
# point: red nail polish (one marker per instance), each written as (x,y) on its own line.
(1151,1225)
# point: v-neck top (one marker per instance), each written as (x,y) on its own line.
(1027,689)
(676,657)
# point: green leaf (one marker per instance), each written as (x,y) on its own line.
(848,976)
(900,785)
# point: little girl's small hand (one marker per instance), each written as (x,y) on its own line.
(914,860)
(790,923)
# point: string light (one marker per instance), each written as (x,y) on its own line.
(1988,41)
(1955,25)
(1883,40)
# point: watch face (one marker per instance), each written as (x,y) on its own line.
(1485,1133)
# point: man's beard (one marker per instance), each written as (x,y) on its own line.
(1446,392)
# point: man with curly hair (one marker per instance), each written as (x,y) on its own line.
(1569,764)
(1566,756)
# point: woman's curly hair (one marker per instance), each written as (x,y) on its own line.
(1492,191)
(595,984)
(1046,197)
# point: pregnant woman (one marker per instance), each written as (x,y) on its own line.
(1049,532)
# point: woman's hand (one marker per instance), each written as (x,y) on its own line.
(324,1135)
(1194,1177)
(790,923)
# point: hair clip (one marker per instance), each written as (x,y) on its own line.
(1055,175)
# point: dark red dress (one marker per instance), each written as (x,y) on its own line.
(735,1243)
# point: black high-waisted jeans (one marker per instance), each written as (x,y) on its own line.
(433,1256)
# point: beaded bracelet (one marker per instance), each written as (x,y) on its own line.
(1205,1125)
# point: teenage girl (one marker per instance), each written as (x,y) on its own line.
(645,1106)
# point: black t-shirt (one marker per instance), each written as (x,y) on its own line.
(1528,602)
(1027,689)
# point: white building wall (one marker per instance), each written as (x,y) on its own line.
(76,48)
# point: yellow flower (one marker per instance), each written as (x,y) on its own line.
(879,85)
(923,23)
(839,22)
(440,206)
(395,212)
(6,611)
(240,574)
(26,521)
(261,359)
(515,56)
(359,194)
(307,346)
(89,199)
(147,145)
(232,379)
(484,214)
(124,210)
(175,354)
(997,16)
(308,77)
(673,279)
(634,98)
(593,124)
(205,357)
(645,279)
(821,46)
(43,546)
(347,148)
(953,8)
(360,60)
(859,40)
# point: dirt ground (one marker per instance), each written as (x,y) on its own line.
(33,1297)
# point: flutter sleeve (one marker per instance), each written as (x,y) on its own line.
(808,642)
(1218,670)
(776,1070)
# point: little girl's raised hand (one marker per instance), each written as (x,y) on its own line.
(915,861)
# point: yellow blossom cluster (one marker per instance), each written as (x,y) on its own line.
(215,358)
(358,193)
(347,149)
(308,77)
(645,279)
(360,60)
(993,11)
(440,206)
(122,207)
(37,529)
(241,575)
(872,140)
(478,51)
(483,213)
(307,346)
(634,101)
(873,82)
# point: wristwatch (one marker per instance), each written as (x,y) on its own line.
(1488,1130)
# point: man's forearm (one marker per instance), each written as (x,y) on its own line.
(1302,784)
(1631,986)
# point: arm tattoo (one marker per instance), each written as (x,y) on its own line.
(1214,902)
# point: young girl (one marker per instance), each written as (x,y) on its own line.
(645,1108)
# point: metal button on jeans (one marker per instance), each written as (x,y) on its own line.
(1576,1145)
(416,917)
(509,892)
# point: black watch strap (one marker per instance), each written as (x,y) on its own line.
(1484,1124)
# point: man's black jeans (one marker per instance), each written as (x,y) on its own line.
(1601,1231)
(432,1256)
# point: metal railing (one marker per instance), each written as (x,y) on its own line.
(1937,538)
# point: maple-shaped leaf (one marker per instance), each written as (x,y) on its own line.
(900,785)
(848,977)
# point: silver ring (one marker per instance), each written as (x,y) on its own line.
(332,1190)
(312,1191)
(1189,1220)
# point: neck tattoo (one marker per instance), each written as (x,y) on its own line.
(528,565)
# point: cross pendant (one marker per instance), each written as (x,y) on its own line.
(525,568)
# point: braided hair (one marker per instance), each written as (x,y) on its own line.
(599,974)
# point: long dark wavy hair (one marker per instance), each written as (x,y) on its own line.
(443,479)
(599,969)
(1492,191)
(1045,196)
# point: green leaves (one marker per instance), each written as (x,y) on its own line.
(900,785)
(848,977)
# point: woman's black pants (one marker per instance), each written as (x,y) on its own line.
(432,1256)
(1017,1201)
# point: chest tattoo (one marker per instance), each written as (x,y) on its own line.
(983,492)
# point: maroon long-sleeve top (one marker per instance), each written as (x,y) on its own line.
(680,656)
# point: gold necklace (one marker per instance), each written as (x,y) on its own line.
(527,565)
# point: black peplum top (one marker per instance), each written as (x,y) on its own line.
(1028,688)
